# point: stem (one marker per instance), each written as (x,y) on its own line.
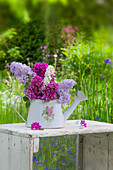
(6,46)
(55,62)
(106,103)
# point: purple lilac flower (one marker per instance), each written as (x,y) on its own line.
(34,90)
(66,84)
(107,61)
(25,91)
(64,97)
(49,92)
(21,71)
(40,69)
(63,90)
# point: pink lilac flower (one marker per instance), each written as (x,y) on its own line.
(76,28)
(66,30)
(45,47)
(61,55)
(83,123)
(57,51)
(48,55)
(22,71)
(63,91)
(41,47)
(40,69)
(35,126)
(73,31)
(49,92)
(34,90)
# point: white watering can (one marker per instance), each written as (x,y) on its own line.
(49,114)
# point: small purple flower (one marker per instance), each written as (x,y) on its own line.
(97,117)
(35,126)
(107,61)
(48,55)
(41,47)
(102,78)
(61,55)
(35,159)
(45,47)
(54,154)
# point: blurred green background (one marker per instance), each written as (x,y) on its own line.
(27,25)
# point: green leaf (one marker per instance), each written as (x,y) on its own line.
(25,98)
(27,104)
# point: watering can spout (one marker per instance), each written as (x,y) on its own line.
(80,97)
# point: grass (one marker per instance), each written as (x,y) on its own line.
(56,153)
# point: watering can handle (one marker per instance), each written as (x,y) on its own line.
(16,109)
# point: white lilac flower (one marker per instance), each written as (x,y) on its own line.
(49,75)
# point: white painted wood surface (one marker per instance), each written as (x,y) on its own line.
(15,152)
(71,127)
(94,150)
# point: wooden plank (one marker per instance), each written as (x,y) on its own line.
(16,153)
(4,156)
(35,145)
(71,127)
(30,154)
(26,154)
(95,153)
(110,153)
(21,153)
(79,158)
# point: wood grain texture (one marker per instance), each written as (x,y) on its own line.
(95,153)
(16,153)
(71,127)
(79,155)
(94,150)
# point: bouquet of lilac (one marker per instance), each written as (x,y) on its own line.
(40,83)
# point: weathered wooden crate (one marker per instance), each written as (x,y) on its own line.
(94,145)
